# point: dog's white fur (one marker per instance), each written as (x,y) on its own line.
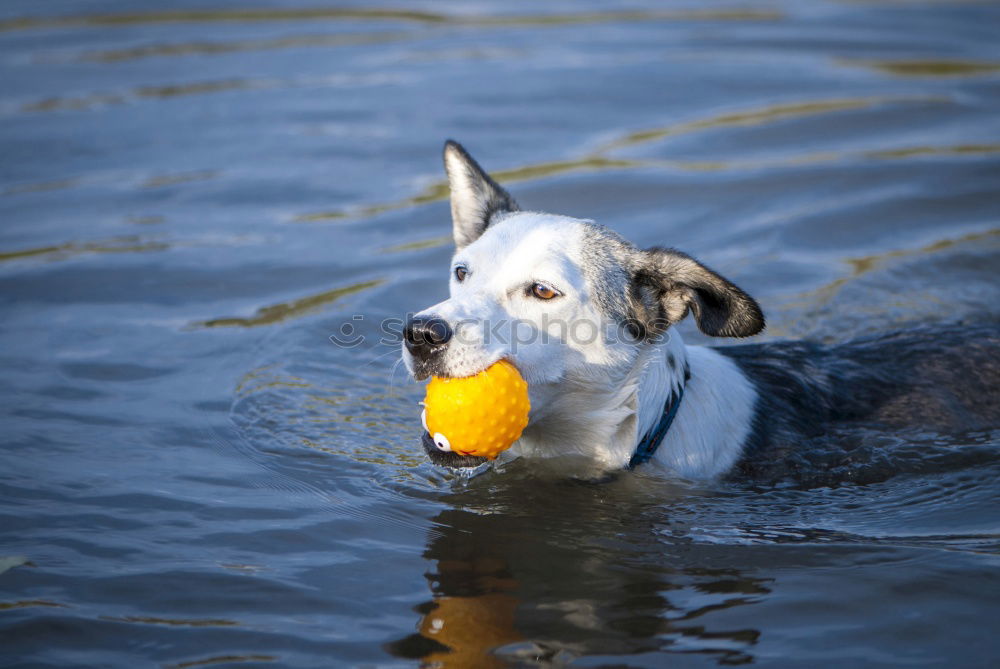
(593,397)
(713,421)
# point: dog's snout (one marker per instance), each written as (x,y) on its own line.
(425,335)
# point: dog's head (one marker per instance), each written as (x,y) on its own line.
(566,300)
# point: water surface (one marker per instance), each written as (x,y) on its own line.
(194,199)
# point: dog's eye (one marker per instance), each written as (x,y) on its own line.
(543,292)
(460,273)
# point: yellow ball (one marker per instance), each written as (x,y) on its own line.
(477,415)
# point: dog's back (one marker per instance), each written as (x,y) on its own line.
(940,378)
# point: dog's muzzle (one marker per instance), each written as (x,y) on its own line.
(448,458)
(426,336)
(426,339)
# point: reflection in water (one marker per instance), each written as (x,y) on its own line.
(439,191)
(39,187)
(928,68)
(173,622)
(179,178)
(30,603)
(122,244)
(97,100)
(594,564)
(753,117)
(598,162)
(265,377)
(282,311)
(209,48)
(917,151)
(418,245)
(169,91)
(861,266)
(464,630)
(212,16)
(223,659)
(331,14)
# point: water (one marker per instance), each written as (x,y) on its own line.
(193,200)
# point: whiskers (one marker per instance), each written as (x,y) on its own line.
(392,376)
(392,349)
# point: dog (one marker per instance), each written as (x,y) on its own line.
(588,319)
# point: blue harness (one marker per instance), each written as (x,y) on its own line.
(651,441)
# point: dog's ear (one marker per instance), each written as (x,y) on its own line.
(475,197)
(670,283)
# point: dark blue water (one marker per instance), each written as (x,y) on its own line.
(193,198)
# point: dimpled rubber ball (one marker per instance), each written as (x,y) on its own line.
(477,415)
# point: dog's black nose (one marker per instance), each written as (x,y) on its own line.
(425,335)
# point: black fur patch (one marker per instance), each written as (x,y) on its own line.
(448,458)
(648,291)
(682,284)
(943,378)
